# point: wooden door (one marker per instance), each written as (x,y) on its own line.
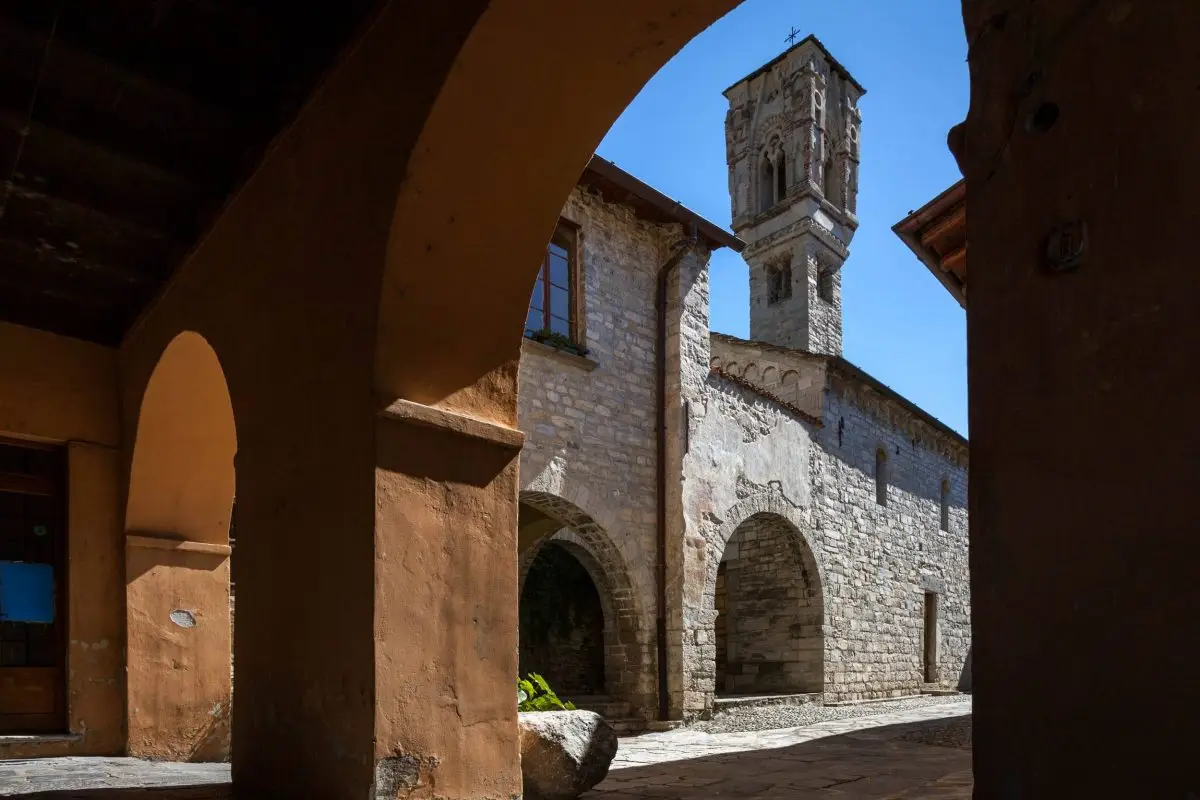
(32,589)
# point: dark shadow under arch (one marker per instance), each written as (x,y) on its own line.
(628,651)
(562,623)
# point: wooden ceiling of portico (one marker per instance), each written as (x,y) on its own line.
(124,126)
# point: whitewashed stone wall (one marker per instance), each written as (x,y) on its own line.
(589,456)
(745,454)
(880,560)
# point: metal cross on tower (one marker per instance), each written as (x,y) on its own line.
(792,36)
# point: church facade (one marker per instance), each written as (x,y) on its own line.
(706,517)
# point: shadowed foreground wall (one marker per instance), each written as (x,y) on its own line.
(1083,400)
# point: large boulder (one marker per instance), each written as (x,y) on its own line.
(564,753)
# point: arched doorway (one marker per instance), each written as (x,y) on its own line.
(580,619)
(562,624)
(768,628)
(181,489)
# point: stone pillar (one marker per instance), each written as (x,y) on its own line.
(1084,430)
(691,657)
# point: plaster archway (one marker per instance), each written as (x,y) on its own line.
(181,491)
(515,69)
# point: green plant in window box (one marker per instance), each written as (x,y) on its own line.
(558,341)
(534,694)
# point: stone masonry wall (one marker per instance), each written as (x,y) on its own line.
(795,377)
(734,453)
(806,319)
(882,559)
(590,422)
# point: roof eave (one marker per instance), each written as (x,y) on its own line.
(712,233)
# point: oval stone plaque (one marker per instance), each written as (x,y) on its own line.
(184,619)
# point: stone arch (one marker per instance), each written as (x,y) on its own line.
(751,373)
(733,368)
(770,376)
(628,660)
(762,503)
(181,494)
(770,506)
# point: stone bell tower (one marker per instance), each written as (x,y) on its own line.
(792,144)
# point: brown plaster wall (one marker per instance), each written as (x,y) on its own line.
(1083,400)
(282,289)
(179,678)
(446,614)
(57,389)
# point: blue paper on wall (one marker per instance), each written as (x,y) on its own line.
(26,592)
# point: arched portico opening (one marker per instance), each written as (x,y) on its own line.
(576,596)
(768,626)
(181,490)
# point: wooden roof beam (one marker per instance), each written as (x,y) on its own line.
(56,163)
(956,261)
(97,100)
(953,224)
(79,232)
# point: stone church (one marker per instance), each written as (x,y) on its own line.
(703,518)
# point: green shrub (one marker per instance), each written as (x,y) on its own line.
(534,694)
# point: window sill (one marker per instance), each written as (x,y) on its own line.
(531,346)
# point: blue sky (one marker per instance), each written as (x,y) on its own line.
(900,325)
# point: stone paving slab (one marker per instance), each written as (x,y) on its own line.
(116,777)
(863,758)
(685,743)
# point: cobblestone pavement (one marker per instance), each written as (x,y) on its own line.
(791,715)
(881,757)
(918,753)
